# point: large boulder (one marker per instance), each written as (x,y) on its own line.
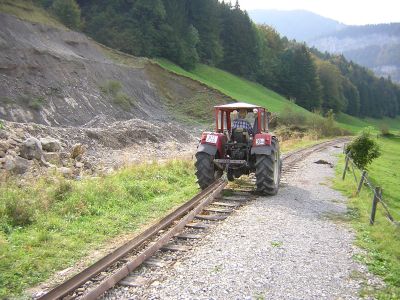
(50,144)
(31,148)
(16,165)
(66,172)
(3,134)
(52,157)
(4,146)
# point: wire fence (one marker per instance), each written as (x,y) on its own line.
(377,191)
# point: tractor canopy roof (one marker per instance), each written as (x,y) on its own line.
(237,105)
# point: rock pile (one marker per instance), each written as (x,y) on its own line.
(21,153)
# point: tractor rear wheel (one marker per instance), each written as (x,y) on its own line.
(268,171)
(206,171)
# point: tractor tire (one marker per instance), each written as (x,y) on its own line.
(229,175)
(268,171)
(206,171)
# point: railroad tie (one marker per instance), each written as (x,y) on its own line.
(135,281)
(197,225)
(174,248)
(219,210)
(226,204)
(211,217)
(188,236)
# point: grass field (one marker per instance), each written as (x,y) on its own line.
(50,225)
(383,239)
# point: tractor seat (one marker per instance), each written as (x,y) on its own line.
(239,135)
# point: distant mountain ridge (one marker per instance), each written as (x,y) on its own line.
(376,47)
(301,25)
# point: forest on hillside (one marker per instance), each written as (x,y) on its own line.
(220,34)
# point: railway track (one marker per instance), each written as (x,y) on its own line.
(206,207)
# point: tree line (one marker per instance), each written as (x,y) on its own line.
(220,34)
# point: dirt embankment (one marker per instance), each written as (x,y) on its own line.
(59,84)
(62,78)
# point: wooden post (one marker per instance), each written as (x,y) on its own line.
(363,175)
(345,167)
(377,194)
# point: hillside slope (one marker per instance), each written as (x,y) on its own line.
(243,90)
(58,77)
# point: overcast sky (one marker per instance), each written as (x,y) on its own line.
(351,12)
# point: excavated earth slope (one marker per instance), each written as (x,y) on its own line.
(54,77)
(57,83)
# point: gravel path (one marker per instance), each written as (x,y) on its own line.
(284,247)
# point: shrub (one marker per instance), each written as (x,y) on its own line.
(289,117)
(2,124)
(68,12)
(326,127)
(363,149)
(19,212)
(36,103)
(123,100)
(385,130)
(111,88)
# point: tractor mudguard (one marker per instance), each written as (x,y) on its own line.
(207,148)
(266,150)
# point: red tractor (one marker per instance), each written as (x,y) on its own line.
(239,149)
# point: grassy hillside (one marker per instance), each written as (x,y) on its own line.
(26,10)
(244,90)
(234,86)
(383,239)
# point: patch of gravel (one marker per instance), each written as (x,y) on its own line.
(282,247)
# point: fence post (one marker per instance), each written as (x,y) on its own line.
(377,194)
(345,167)
(363,175)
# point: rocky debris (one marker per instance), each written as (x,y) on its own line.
(31,148)
(3,134)
(93,151)
(66,172)
(50,144)
(79,165)
(52,157)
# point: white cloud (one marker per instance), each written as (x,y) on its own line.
(352,12)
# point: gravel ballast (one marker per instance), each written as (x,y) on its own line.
(289,246)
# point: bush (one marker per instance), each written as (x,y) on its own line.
(36,103)
(385,130)
(363,149)
(19,212)
(68,12)
(111,88)
(326,127)
(289,117)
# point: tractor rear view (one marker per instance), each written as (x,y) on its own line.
(239,149)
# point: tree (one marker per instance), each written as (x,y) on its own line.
(331,81)
(68,12)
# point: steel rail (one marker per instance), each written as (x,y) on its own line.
(154,247)
(77,280)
